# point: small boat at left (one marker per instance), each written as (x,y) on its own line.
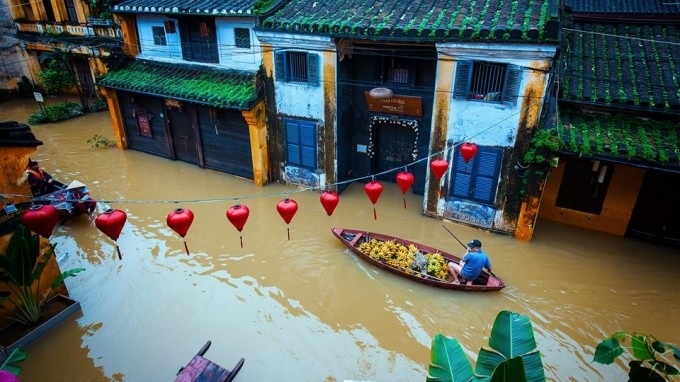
(70,200)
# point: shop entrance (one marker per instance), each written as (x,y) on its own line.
(394,145)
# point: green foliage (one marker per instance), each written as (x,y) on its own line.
(98,105)
(99,141)
(653,360)
(10,364)
(21,268)
(57,112)
(55,78)
(512,355)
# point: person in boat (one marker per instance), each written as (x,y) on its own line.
(472,264)
(79,199)
(39,180)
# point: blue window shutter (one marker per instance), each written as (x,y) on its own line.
(463,78)
(293,142)
(280,66)
(313,69)
(308,144)
(477,180)
(511,88)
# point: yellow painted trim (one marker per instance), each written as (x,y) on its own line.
(128,26)
(116,117)
(257,129)
(330,113)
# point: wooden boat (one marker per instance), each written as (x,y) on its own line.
(201,369)
(353,238)
(70,200)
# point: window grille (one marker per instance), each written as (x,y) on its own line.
(297,66)
(487,81)
(242,38)
(158,35)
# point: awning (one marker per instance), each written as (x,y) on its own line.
(229,89)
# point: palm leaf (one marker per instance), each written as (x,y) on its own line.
(448,361)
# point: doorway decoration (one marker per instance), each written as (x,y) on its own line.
(374,120)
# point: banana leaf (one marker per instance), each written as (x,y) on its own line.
(511,370)
(10,363)
(448,361)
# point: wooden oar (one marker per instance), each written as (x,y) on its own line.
(464,246)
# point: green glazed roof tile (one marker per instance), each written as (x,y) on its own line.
(424,20)
(222,88)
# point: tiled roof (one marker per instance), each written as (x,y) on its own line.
(636,66)
(221,88)
(625,138)
(204,7)
(423,20)
(624,7)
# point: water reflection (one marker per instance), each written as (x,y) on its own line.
(306,309)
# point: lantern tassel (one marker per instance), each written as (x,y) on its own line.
(186,248)
(375,214)
(288,229)
(404,203)
(120,257)
(241,237)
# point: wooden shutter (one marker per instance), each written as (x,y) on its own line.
(477,180)
(293,142)
(308,144)
(463,78)
(313,69)
(280,66)
(511,86)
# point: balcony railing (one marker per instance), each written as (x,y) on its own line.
(108,29)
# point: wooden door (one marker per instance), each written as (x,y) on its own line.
(183,133)
(655,216)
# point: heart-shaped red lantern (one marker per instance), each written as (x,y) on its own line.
(373,189)
(468,151)
(238,215)
(287,209)
(439,167)
(111,222)
(329,200)
(180,220)
(405,181)
(41,219)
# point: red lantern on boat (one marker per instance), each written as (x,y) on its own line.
(405,181)
(111,222)
(373,189)
(41,219)
(439,167)
(238,215)
(287,209)
(468,151)
(329,200)
(180,220)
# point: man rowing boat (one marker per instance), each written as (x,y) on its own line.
(472,264)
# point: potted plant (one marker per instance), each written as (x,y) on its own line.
(21,271)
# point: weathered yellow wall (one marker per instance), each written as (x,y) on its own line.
(618,205)
(330,104)
(257,128)
(116,117)
(128,25)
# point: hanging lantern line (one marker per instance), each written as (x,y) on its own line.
(278,194)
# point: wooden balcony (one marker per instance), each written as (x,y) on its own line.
(98,27)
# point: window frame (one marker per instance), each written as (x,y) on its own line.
(509,90)
(580,189)
(283,70)
(467,177)
(236,38)
(301,148)
(154,29)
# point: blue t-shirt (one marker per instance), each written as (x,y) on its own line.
(474,262)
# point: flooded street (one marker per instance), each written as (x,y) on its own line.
(305,309)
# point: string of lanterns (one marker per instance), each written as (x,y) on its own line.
(42,219)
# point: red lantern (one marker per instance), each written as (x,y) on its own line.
(439,167)
(238,215)
(405,181)
(468,151)
(373,189)
(111,222)
(287,209)
(329,200)
(180,220)
(41,219)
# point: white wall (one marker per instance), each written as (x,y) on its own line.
(237,58)
(488,123)
(300,100)
(148,50)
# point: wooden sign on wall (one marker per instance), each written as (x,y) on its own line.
(401,105)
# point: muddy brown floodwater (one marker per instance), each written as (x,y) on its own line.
(307,309)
